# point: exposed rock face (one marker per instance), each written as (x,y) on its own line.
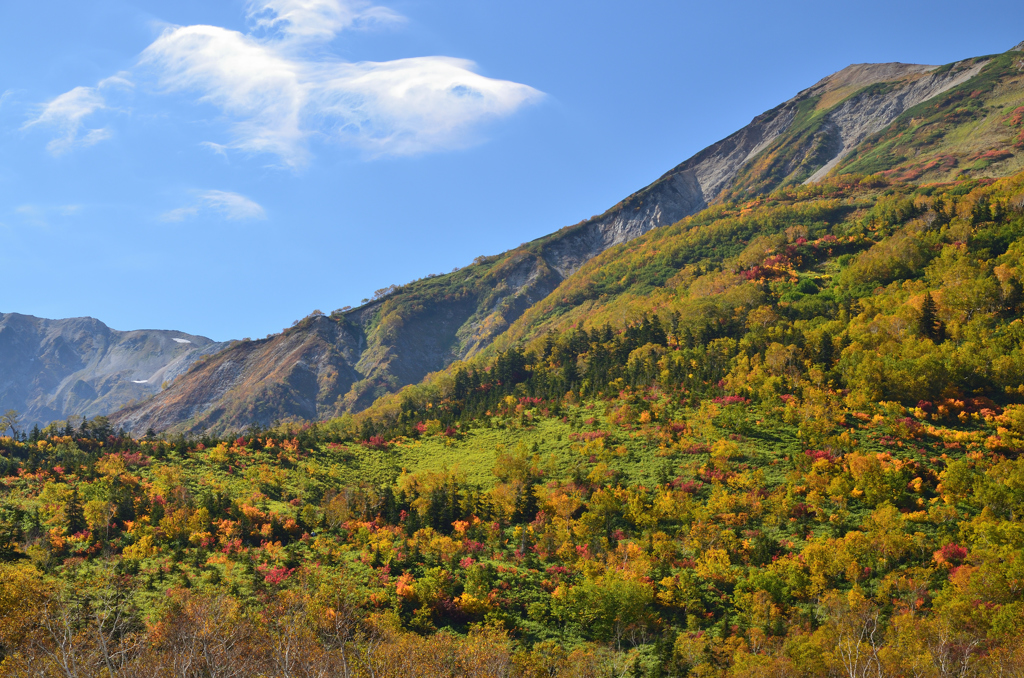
(694,184)
(837,114)
(52,369)
(328,365)
(685,190)
(869,112)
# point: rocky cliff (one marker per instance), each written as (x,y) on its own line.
(298,374)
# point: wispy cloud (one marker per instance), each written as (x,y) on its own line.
(231,206)
(121,79)
(39,215)
(67,112)
(32,215)
(317,20)
(278,88)
(219,149)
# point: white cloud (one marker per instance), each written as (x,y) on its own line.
(231,206)
(277,89)
(39,215)
(180,214)
(278,92)
(412,105)
(318,20)
(219,149)
(32,215)
(257,88)
(117,80)
(66,114)
(68,111)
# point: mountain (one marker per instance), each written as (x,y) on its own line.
(782,436)
(904,120)
(856,302)
(53,369)
(724,448)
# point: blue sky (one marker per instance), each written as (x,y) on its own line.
(224,167)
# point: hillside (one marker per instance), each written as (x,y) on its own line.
(782,437)
(53,369)
(807,288)
(344,361)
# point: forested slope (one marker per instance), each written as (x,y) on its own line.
(781,437)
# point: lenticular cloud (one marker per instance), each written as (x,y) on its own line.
(277,94)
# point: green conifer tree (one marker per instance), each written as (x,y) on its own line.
(928,324)
(825,350)
(74,514)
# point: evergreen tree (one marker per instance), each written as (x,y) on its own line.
(981,212)
(549,345)
(439,511)
(10,533)
(686,338)
(74,514)
(825,350)
(389,506)
(939,208)
(928,324)
(462,384)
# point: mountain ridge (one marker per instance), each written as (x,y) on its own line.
(419,328)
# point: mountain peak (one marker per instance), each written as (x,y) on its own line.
(1018,48)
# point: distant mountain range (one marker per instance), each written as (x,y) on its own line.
(910,122)
(54,369)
